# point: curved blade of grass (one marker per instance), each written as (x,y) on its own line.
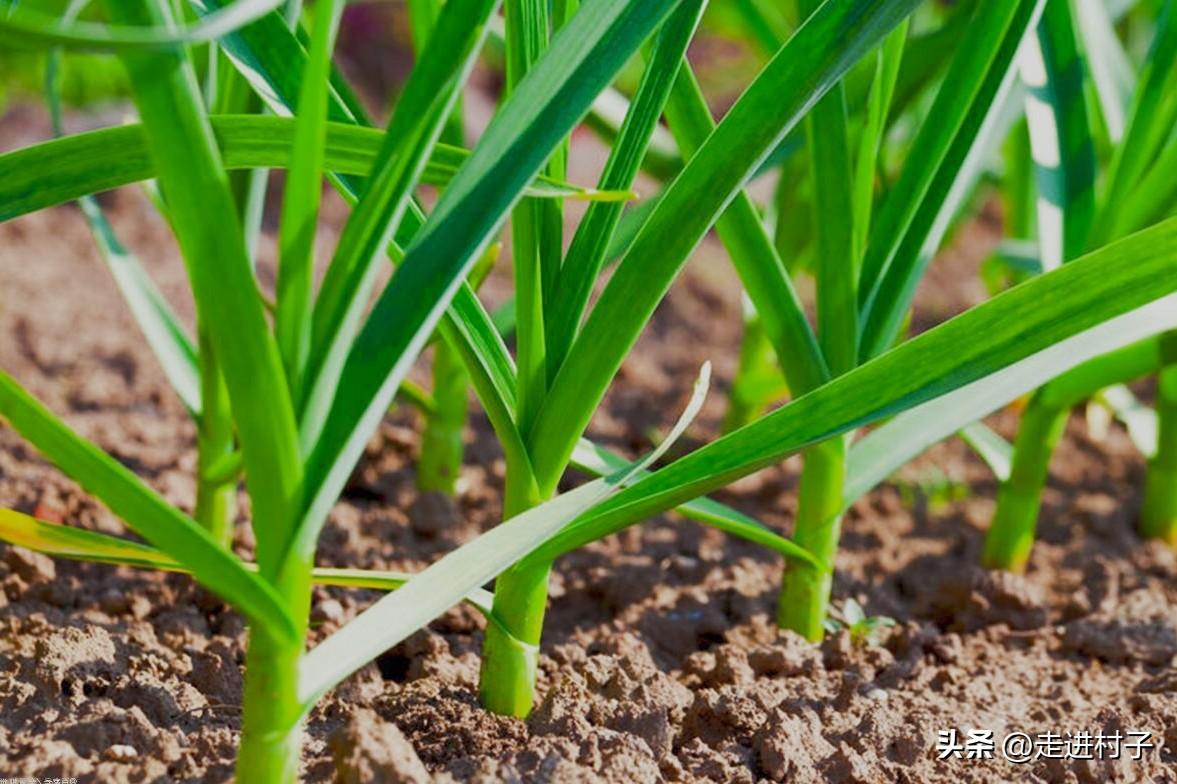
(815,58)
(444,583)
(26,28)
(483,346)
(885,450)
(596,231)
(204,217)
(1060,138)
(77,544)
(54,172)
(1014,325)
(144,511)
(584,56)
(976,76)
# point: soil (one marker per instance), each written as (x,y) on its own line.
(660,663)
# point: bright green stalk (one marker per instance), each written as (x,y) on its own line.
(1060,136)
(1064,162)
(271,731)
(597,230)
(805,591)
(510,653)
(423,15)
(232,94)
(216,494)
(1011,534)
(440,461)
(441,441)
(205,220)
(1158,517)
(417,122)
(837,264)
(803,362)
(758,380)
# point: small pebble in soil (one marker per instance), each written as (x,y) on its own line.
(120,752)
(328,611)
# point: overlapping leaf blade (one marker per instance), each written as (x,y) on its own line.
(896,256)
(444,583)
(554,96)
(204,217)
(416,126)
(42,175)
(886,449)
(143,510)
(1021,322)
(829,43)
(62,541)
(24,27)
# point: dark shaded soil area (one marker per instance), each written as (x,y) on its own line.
(661,661)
